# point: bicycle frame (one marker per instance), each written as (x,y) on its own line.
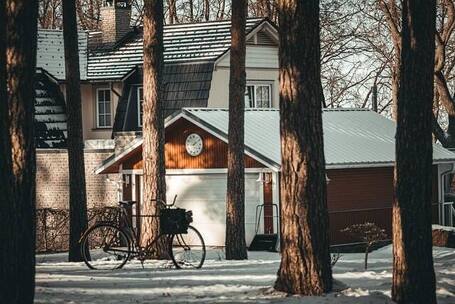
(137,250)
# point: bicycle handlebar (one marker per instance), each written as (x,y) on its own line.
(164,203)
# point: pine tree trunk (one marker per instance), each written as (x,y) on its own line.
(78,200)
(18,34)
(235,198)
(153,127)
(413,272)
(305,258)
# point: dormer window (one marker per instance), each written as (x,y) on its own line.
(258,95)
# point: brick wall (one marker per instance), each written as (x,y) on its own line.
(52,186)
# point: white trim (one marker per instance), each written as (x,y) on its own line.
(97,109)
(265,25)
(198,171)
(260,83)
(133,145)
(271,166)
(133,198)
(132,171)
(276,200)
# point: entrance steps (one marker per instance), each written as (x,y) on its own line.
(264,242)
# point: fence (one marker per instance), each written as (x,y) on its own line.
(52,226)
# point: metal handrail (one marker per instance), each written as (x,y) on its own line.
(451,214)
(258,217)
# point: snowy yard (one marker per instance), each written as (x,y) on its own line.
(222,281)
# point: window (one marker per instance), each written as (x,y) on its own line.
(103,108)
(140,101)
(258,96)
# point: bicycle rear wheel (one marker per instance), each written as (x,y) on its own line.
(187,250)
(105,247)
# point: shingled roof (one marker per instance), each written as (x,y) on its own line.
(189,43)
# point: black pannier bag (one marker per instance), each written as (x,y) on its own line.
(174,221)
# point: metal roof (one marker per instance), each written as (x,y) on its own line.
(50,113)
(352,137)
(195,42)
(184,85)
(50,54)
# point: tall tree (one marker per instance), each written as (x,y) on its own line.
(235,198)
(154,176)
(305,258)
(78,199)
(413,272)
(18,36)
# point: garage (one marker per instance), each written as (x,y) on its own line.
(359,147)
(205,195)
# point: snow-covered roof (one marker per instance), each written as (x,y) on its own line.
(50,54)
(352,137)
(195,42)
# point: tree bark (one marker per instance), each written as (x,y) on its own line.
(305,258)
(235,197)
(154,176)
(18,34)
(77,199)
(413,272)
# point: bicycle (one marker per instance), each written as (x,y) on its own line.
(110,244)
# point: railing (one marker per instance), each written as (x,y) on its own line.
(448,214)
(274,217)
(52,226)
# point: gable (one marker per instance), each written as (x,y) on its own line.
(213,155)
(261,49)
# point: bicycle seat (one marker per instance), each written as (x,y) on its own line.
(127,203)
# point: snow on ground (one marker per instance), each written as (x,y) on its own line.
(221,281)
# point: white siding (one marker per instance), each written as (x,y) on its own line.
(257,56)
(205,195)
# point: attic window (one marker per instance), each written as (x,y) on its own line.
(258,95)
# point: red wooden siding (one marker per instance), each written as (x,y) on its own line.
(214,153)
(356,196)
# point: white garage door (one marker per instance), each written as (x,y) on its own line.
(205,195)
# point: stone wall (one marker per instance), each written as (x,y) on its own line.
(52,185)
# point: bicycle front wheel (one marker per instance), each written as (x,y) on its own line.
(187,249)
(105,247)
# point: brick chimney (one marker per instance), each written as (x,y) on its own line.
(115,20)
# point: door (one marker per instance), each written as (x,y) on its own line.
(205,195)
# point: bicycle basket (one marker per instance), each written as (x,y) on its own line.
(174,221)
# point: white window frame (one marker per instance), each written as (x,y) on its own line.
(261,84)
(98,126)
(139,122)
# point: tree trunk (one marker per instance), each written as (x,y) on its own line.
(235,197)
(153,127)
(78,200)
(367,250)
(413,272)
(17,165)
(206,10)
(305,258)
(172,11)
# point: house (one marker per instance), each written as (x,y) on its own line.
(196,74)
(359,151)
